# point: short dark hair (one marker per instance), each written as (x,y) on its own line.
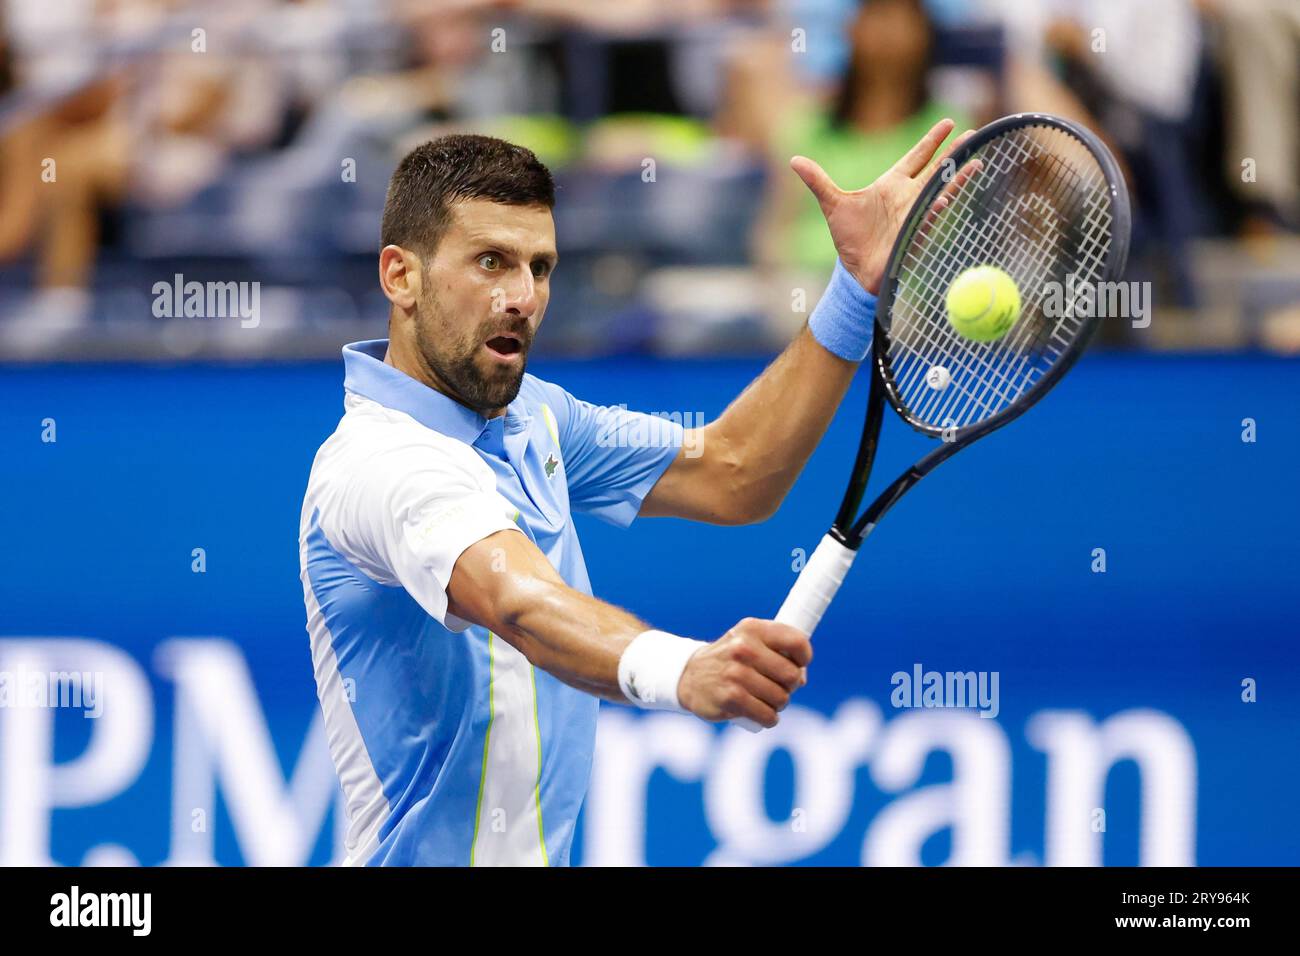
(437,174)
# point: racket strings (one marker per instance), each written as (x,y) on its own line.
(1038,208)
(1054,338)
(1000,372)
(971,243)
(1004,368)
(976,242)
(1001,379)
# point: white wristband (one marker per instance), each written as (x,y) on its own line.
(651,667)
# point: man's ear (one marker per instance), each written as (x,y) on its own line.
(401,276)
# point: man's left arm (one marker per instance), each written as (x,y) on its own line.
(745,462)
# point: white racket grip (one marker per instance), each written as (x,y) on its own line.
(817,583)
(813,590)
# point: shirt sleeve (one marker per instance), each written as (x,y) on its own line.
(416,510)
(612,456)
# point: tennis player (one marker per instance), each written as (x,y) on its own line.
(459,654)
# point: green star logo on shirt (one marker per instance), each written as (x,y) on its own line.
(551,464)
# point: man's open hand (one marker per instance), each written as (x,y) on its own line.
(750,671)
(865,222)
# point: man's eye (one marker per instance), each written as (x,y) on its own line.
(541,269)
(490,261)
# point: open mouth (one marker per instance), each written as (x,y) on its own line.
(505,346)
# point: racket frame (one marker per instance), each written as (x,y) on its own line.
(822,576)
(852,532)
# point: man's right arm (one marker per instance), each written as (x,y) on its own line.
(504,583)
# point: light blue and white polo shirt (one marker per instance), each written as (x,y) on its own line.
(452,749)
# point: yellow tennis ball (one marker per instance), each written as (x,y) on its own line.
(983,303)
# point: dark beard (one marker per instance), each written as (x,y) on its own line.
(456,368)
(472,388)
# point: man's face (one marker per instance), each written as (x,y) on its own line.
(483,296)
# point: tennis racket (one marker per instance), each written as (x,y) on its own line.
(1034,195)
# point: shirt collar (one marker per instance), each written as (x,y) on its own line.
(366,373)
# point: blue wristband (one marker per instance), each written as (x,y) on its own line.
(844,318)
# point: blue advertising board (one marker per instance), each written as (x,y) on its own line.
(1114,572)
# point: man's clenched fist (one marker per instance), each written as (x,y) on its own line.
(750,671)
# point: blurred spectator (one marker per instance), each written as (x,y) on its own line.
(1136,67)
(198,109)
(58,168)
(1144,56)
(1031,84)
(881,108)
(1261,63)
(152,132)
(233,149)
(1127,71)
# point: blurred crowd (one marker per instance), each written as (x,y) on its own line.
(252,140)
